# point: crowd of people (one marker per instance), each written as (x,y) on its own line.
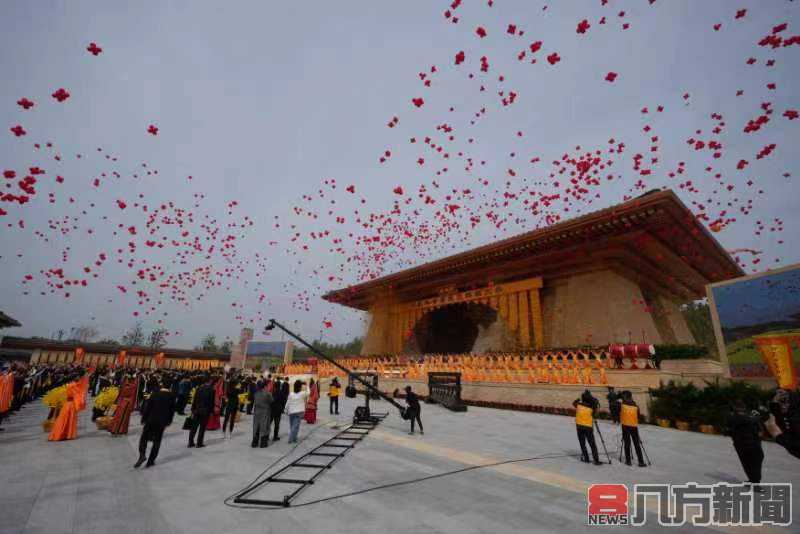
(530,368)
(215,400)
(20,384)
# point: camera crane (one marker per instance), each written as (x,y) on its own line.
(322,457)
(363,414)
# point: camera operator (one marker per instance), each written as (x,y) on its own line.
(629,417)
(745,430)
(784,421)
(585,409)
(614,404)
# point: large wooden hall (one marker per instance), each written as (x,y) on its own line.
(617,275)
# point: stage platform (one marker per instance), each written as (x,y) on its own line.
(89,486)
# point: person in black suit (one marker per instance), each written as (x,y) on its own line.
(280,395)
(744,428)
(202,407)
(251,392)
(156,416)
(413,410)
(184,388)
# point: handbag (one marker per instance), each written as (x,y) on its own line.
(188,423)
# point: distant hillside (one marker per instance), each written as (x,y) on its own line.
(741,332)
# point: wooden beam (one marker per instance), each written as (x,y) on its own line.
(538,322)
(513,312)
(524,319)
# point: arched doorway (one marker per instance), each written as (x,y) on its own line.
(452,329)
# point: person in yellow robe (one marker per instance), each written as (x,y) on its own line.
(598,363)
(586,372)
(546,371)
(556,376)
(574,377)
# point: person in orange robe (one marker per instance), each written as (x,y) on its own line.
(83,389)
(125,403)
(66,424)
(6,393)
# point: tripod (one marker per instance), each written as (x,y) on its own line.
(646,456)
(641,444)
(602,441)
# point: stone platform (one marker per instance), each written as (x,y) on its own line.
(551,395)
(88,485)
(638,382)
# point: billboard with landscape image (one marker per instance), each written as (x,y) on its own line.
(751,310)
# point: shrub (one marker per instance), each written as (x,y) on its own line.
(679,352)
(710,405)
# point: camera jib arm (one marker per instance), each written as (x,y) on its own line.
(355,376)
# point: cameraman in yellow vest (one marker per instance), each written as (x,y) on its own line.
(629,417)
(585,408)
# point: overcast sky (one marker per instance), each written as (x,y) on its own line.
(260,102)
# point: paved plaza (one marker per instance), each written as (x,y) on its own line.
(89,486)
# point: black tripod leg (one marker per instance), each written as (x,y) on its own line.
(602,441)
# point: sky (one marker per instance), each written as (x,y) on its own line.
(766,299)
(261,103)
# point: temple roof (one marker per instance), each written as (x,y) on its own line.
(6,321)
(653,237)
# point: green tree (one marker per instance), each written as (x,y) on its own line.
(209,343)
(351,348)
(698,318)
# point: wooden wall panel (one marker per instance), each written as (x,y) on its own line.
(524,320)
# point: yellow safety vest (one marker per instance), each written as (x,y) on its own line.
(583,415)
(630,415)
(334,391)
